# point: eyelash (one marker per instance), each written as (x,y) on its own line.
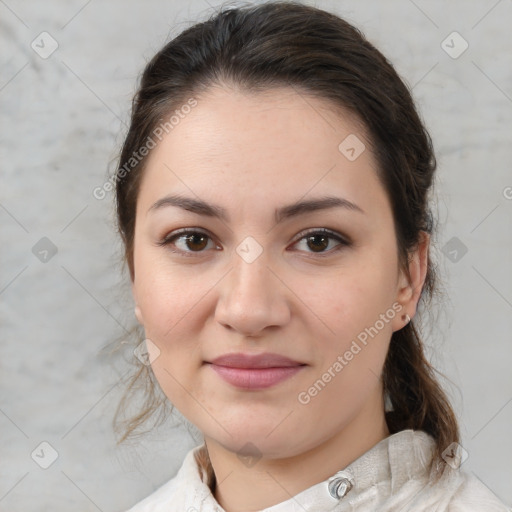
(168,241)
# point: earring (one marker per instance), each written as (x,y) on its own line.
(406,318)
(388,404)
(138,314)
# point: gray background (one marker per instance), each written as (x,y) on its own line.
(62,123)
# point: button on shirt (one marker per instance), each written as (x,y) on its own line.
(393,476)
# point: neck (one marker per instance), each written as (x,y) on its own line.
(241,487)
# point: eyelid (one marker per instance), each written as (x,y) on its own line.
(326,231)
(342,239)
(182,231)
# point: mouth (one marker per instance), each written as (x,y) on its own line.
(249,371)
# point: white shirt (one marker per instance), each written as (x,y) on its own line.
(390,477)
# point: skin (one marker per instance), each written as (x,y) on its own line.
(252,153)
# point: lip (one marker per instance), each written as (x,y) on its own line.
(255,371)
(265,360)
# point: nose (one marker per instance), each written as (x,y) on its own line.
(252,298)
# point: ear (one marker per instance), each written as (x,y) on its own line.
(408,292)
(137,310)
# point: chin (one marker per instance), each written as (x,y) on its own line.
(255,441)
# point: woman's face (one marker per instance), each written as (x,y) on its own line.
(259,276)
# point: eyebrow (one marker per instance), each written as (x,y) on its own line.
(292,210)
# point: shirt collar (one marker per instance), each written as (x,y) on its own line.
(390,463)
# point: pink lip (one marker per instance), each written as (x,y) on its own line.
(251,371)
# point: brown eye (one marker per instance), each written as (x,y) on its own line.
(187,242)
(196,241)
(320,241)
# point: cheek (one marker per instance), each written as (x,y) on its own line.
(175,305)
(168,296)
(174,312)
(350,299)
(355,313)
(351,358)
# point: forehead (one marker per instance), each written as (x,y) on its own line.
(265,146)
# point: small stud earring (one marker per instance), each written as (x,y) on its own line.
(138,314)
(406,318)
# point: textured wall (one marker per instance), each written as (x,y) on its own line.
(61,294)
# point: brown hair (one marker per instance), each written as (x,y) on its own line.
(289,44)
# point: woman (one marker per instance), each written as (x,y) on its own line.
(272,198)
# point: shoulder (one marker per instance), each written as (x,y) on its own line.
(454,491)
(457,491)
(422,483)
(183,492)
(470,494)
(157,499)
